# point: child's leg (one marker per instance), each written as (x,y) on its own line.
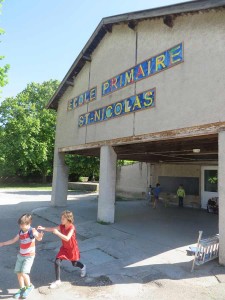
(57,268)
(26,268)
(180,201)
(154,202)
(29,286)
(78,264)
(21,279)
(57,283)
(26,278)
(18,294)
(22,268)
(19,270)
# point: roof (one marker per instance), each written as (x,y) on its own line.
(131,19)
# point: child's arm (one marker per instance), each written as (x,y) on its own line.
(48,229)
(10,242)
(38,235)
(63,236)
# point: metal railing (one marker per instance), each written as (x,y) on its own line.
(206,250)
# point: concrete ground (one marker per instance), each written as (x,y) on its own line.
(143,255)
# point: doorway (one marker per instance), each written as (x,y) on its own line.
(209,184)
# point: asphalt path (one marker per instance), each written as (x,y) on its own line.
(14,203)
(141,256)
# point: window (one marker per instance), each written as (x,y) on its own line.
(211,181)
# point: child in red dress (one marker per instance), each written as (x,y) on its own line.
(69,250)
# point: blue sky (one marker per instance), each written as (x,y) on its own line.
(43,37)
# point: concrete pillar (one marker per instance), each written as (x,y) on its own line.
(60,181)
(221,190)
(107,185)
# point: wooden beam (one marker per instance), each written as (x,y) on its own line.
(168,20)
(132,24)
(86,58)
(68,82)
(177,134)
(107,27)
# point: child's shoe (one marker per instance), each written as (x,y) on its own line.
(83,271)
(55,284)
(27,291)
(18,294)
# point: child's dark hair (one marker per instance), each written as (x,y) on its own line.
(68,215)
(25,219)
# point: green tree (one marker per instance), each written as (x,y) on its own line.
(125,162)
(27,131)
(87,166)
(3,69)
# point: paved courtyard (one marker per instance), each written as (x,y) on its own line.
(142,255)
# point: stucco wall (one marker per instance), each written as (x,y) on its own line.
(189,94)
(68,133)
(132,180)
(177,170)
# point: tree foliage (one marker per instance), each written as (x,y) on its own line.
(121,163)
(3,69)
(87,166)
(27,131)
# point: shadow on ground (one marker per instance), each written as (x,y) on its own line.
(142,246)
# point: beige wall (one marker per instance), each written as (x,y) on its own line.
(189,94)
(68,133)
(177,170)
(132,180)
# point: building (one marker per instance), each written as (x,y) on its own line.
(148,86)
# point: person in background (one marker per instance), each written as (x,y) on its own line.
(156,195)
(181,195)
(149,195)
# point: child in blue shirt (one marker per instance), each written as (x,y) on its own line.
(156,195)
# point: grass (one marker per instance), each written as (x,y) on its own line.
(33,187)
(30,186)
